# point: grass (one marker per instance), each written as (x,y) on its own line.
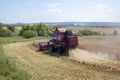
(8,68)
(44,66)
(21,61)
(8,40)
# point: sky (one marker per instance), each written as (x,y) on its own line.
(34,11)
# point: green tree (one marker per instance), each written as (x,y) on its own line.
(6,33)
(11,28)
(87,32)
(1,26)
(24,28)
(29,34)
(40,28)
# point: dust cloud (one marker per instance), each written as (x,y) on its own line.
(87,56)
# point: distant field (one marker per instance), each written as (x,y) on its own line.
(108,31)
(103,44)
(18,28)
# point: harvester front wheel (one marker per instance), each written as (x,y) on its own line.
(63,51)
(67,52)
(60,51)
(52,49)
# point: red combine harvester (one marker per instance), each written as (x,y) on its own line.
(62,41)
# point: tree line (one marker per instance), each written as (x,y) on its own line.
(6,32)
(27,31)
(40,29)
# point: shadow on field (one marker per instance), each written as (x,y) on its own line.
(51,53)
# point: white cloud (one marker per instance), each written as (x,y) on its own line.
(29,17)
(53,9)
(101,6)
(99,12)
(54,5)
(102,9)
(35,14)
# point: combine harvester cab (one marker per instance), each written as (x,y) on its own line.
(62,41)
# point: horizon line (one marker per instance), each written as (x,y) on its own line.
(64,22)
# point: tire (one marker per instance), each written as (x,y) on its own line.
(52,49)
(60,51)
(67,52)
(63,51)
